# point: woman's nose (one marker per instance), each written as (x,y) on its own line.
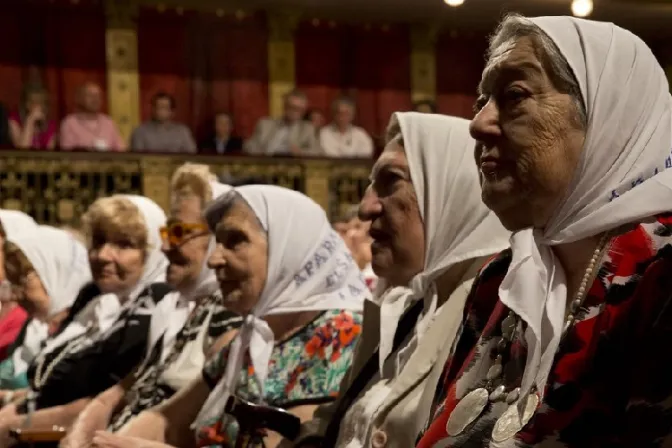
(106,252)
(370,205)
(485,125)
(216,259)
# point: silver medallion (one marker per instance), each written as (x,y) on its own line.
(511,421)
(467,410)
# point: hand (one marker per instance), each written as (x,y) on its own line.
(94,418)
(8,421)
(36,114)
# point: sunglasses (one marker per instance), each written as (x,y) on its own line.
(178,232)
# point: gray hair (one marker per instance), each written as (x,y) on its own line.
(221,206)
(515,26)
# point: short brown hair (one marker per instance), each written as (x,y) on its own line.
(117,218)
(16,262)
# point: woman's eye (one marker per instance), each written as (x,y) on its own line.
(480,103)
(514,96)
(233,239)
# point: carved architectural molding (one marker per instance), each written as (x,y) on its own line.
(123,83)
(423,61)
(281,58)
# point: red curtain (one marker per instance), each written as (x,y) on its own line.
(459,63)
(209,64)
(59,43)
(371,64)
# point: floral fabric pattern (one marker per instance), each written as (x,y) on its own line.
(306,368)
(610,382)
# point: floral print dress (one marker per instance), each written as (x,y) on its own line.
(307,368)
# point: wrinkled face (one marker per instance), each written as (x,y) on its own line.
(91,98)
(343,115)
(295,108)
(240,259)
(391,207)
(27,290)
(185,242)
(162,110)
(528,135)
(117,262)
(222,125)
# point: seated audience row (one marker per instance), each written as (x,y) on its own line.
(88,128)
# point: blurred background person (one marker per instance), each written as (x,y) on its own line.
(425,106)
(223,140)
(30,127)
(290,135)
(161,133)
(89,128)
(341,138)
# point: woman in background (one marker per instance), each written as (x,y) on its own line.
(12,316)
(105,334)
(46,268)
(31,127)
(185,324)
(301,295)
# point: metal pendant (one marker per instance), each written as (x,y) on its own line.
(467,410)
(511,421)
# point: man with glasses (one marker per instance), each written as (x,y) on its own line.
(289,135)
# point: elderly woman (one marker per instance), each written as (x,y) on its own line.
(185,325)
(12,316)
(46,268)
(429,242)
(565,337)
(105,333)
(300,293)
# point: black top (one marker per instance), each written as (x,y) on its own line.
(209,146)
(4,127)
(92,365)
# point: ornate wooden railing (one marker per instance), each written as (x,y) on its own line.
(57,187)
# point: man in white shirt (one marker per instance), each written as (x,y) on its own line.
(341,138)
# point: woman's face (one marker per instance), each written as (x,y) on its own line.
(391,207)
(117,263)
(185,242)
(528,137)
(35,101)
(240,259)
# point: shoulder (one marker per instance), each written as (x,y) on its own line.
(69,120)
(106,119)
(360,132)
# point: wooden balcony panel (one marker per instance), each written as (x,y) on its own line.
(57,187)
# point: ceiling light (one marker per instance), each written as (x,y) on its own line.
(453,2)
(582,8)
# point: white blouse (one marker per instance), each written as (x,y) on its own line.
(354,142)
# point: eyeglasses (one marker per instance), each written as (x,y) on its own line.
(178,232)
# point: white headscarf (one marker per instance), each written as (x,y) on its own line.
(62,264)
(457,225)
(309,269)
(172,312)
(106,308)
(15,222)
(621,177)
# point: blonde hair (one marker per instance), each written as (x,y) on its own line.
(192,179)
(115,218)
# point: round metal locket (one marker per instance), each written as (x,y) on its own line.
(467,410)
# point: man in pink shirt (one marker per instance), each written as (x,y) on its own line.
(88,128)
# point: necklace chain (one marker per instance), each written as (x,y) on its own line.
(510,323)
